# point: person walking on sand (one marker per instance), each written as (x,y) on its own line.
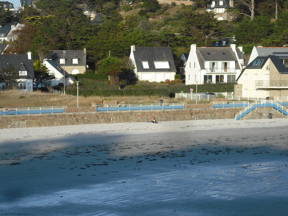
(154,121)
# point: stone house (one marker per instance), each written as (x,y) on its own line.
(265,77)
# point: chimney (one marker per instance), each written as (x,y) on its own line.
(133,48)
(233,47)
(193,48)
(29,55)
(240,48)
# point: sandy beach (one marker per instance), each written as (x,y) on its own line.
(218,167)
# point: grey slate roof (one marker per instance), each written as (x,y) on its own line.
(217,54)
(277,51)
(4,30)
(152,54)
(260,61)
(18,62)
(58,67)
(68,55)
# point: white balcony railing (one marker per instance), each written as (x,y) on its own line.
(220,70)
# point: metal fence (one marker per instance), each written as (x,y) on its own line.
(204,96)
(140,108)
(243,104)
(31,111)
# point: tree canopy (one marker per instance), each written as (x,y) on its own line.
(61,24)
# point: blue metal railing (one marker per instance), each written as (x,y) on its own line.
(140,108)
(261,105)
(223,106)
(32,111)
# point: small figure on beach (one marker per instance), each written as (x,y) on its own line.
(154,121)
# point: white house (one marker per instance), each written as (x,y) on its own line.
(264,77)
(213,64)
(153,64)
(19,66)
(9,32)
(71,61)
(219,8)
(282,52)
(60,75)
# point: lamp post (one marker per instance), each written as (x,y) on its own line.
(64,90)
(77,85)
(196,89)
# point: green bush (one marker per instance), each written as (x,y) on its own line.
(90,87)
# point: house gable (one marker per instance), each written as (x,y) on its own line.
(153,59)
(20,63)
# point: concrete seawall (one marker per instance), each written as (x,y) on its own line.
(113,117)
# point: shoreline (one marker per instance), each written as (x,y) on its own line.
(131,128)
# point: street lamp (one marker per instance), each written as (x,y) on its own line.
(64,90)
(77,85)
(196,90)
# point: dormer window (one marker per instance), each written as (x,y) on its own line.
(213,4)
(75,61)
(22,73)
(161,65)
(145,64)
(62,61)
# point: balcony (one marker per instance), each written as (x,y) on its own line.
(271,84)
(221,70)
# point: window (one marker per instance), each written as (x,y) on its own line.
(230,78)
(221,3)
(285,62)
(207,79)
(213,66)
(213,4)
(145,64)
(22,85)
(75,61)
(62,61)
(161,65)
(225,66)
(219,78)
(22,73)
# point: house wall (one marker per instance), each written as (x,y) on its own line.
(278,79)
(256,82)
(192,67)
(74,69)
(251,79)
(238,90)
(156,76)
(28,84)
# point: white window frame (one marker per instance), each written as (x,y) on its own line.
(145,64)
(75,61)
(162,64)
(22,73)
(62,61)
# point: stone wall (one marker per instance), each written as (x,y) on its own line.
(94,117)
